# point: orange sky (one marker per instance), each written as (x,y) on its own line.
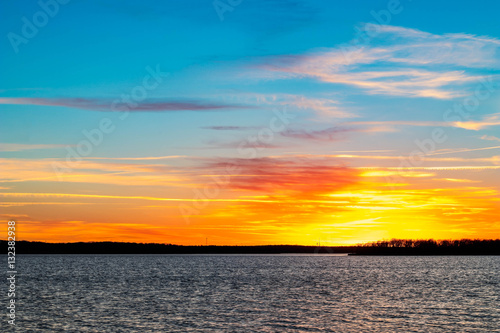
(273,200)
(279,122)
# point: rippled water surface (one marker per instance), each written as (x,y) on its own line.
(160,293)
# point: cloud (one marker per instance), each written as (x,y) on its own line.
(39,203)
(337,133)
(386,173)
(296,177)
(448,168)
(399,123)
(490,138)
(461,150)
(322,106)
(419,47)
(328,134)
(487,121)
(456,180)
(95,104)
(393,157)
(475,125)
(492,159)
(397,61)
(53,170)
(21,146)
(318,196)
(145,158)
(243,144)
(230,128)
(99,196)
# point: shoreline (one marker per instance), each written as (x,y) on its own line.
(423,248)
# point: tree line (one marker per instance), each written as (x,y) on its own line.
(381,247)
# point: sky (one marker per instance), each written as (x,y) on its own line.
(250,122)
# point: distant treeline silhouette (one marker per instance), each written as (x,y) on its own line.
(382,247)
(431,247)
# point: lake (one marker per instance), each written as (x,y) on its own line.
(256,293)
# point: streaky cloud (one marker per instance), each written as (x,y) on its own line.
(296,177)
(96,104)
(398,61)
(229,128)
(474,125)
(22,146)
(328,134)
(490,138)
(242,145)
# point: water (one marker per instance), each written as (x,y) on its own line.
(160,293)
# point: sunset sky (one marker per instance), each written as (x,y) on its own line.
(250,122)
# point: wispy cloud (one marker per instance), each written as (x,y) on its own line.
(145,158)
(50,170)
(99,196)
(449,168)
(243,144)
(291,176)
(490,138)
(475,125)
(492,159)
(230,128)
(410,63)
(327,134)
(457,180)
(95,104)
(312,193)
(322,106)
(461,150)
(487,121)
(22,146)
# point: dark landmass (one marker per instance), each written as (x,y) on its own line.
(389,247)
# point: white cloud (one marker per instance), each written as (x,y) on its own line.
(322,106)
